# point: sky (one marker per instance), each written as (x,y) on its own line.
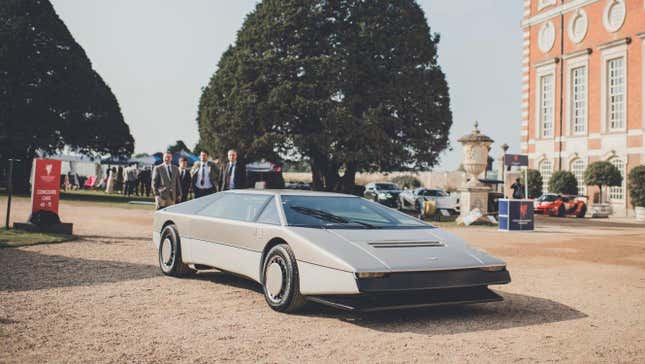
(156,55)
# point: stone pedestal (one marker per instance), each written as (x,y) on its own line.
(472,198)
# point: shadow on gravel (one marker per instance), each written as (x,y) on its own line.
(228,279)
(22,270)
(588,223)
(515,311)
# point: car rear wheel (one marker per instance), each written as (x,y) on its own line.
(170,261)
(583,212)
(280,280)
(561,211)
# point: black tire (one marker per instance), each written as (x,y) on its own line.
(288,298)
(561,211)
(172,265)
(583,212)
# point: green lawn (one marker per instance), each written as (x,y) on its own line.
(84,196)
(13,238)
(101,196)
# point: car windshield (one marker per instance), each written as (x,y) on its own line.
(548,198)
(340,212)
(387,186)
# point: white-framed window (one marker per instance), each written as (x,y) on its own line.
(546,113)
(613,86)
(546,170)
(616,93)
(579,100)
(578,170)
(618,192)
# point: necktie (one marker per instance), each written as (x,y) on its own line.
(202,179)
(169,173)
(228,174)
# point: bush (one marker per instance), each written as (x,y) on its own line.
(534,183)
(407,181)
(602,173)
(636,186)
(563,182)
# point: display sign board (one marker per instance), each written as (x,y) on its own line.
(515,215)
(520,160)
(45,191)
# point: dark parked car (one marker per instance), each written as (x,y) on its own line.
(264,174)
(386,193)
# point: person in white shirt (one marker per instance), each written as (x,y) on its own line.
(205,175)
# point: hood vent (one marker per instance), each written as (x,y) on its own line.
(405,244)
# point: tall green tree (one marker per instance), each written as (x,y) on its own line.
(602,173)
(50,96)
(563,182)
(178,147)
(346,85)
(534,183)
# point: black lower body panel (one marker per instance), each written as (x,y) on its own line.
(402,281)
(408,299)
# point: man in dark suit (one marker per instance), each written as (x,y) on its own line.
(233,174)
(205,176)
(185,179)
(165,183)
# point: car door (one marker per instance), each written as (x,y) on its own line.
(225,234)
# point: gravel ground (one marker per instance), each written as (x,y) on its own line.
(578,295)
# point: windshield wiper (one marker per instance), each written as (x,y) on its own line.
(324,215)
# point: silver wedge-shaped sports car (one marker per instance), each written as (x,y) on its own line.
(334,249)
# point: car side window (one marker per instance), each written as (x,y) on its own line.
(270,214)
(236,206)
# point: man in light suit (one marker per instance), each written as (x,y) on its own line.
(166,186)
(233,173)
(205,176)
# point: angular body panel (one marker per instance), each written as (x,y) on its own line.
(336,255)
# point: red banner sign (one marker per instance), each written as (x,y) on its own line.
(45,191)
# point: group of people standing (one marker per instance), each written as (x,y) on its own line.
(129,180)
(172,184)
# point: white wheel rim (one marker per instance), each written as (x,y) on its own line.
(166,251)
(274,280)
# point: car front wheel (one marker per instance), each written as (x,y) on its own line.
(170,260)
(280,280)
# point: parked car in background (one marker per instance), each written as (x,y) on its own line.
(264,174)
(386,193)
(413,200)
(300,185)
(560,205)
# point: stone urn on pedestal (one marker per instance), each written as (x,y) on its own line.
(474,194)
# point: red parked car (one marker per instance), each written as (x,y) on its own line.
(560,205)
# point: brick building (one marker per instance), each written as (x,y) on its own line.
(583,83)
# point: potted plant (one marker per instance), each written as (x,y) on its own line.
(564,183)
(636,186)
(534,183)
(602,173)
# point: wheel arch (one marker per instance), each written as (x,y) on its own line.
(268,246)
(167,223)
